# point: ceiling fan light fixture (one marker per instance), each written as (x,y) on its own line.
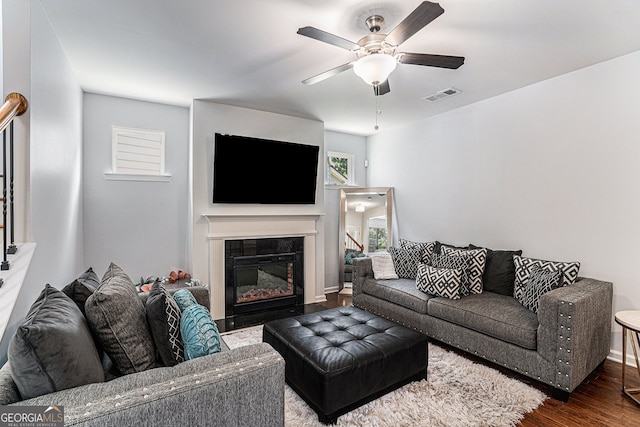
(375,68)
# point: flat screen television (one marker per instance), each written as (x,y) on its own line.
(254,170)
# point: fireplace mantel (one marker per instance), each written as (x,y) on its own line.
(248,226)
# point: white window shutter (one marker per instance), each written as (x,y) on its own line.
(137,151)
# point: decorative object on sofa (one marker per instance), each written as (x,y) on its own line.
(460,262)
(52,348)
(499,271)
(383,265)
(163,316)
(524,266)
(376,52)
(426,248)
(630,322)
(559,346)
(81,289)
(184,298)
(405,260)
(539,283)
(117,316)
(441,282)
(199,332)
(475,267)
(145,284)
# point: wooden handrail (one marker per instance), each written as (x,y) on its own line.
(15,105)
(359,245)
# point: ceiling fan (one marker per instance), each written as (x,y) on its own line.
(376,52)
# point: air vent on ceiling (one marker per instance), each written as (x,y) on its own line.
(445,93)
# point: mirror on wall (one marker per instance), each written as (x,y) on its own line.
(365,224)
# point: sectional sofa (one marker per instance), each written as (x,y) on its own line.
(97,355)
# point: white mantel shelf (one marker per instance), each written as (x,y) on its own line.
(243,226)
(230,226)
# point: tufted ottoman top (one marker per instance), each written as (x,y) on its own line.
(340,338)
(338,357)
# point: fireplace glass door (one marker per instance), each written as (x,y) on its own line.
(259,278)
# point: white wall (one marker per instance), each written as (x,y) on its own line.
(551,169)
(209,118)
(140,226)
(343,143)
(55,104)
(16,77)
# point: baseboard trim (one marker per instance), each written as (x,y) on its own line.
(616,356)
(331,289)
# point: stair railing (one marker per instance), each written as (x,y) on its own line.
(352,243)
(15,105)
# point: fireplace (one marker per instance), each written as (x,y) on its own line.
(263,274)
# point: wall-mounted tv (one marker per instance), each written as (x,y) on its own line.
(254,170)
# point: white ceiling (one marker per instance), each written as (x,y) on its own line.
(247,52)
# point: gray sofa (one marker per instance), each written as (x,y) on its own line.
(241,387)
(559,346)
(95,349)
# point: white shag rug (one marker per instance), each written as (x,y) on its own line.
(457,392)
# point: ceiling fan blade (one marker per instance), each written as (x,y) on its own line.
(418,19)
(442,61)
(382,89)
(330,73)
(323,36)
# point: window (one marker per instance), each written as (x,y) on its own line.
(340,168)
(137,154)
(377,239)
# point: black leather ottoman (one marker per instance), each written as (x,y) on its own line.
(341,358)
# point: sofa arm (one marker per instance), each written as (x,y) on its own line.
(574,330)
(238,387)
(362,268)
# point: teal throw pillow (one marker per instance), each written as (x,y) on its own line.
(200,334)
(184,298)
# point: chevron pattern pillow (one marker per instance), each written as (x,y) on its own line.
(524,266)
(540,282)
(440,282)
(477,262)
(405,261)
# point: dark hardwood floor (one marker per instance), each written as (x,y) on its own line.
(598,401)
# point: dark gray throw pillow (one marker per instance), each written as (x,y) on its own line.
(163,315)
(52,348)
(80,289)
(116,314)
(499,271)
